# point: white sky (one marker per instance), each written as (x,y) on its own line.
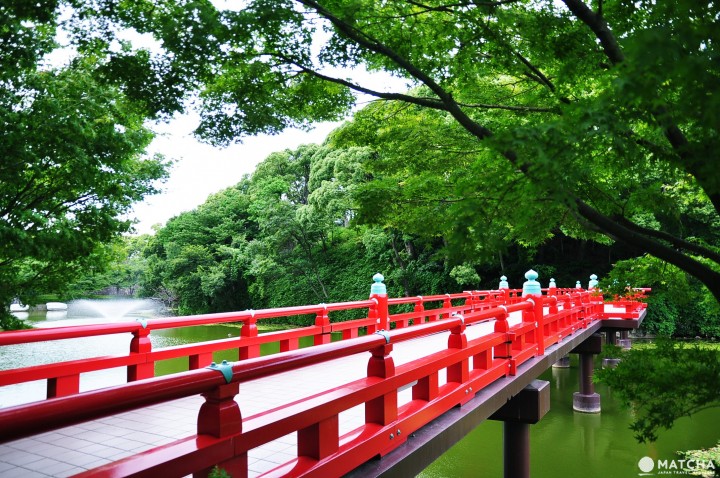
(201,170)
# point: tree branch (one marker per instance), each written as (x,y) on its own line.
(672,132)
(371,44)
(526,109)
(705,274)
(675,241)
(600,27)
(425,101)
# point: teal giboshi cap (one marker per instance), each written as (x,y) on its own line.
(378,287)
(503,283)
(531,285)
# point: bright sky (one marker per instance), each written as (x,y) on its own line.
(201,169)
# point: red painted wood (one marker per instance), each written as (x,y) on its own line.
(224,437)
(63,386)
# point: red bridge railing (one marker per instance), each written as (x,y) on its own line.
(224,437)
(63,378)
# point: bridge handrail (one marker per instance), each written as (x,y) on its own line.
(37,417)
(63,378)
(42,416)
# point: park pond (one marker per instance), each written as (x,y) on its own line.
(564,443)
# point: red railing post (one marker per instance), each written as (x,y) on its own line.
(447,305)
(293,344)
(381,410)
(197,361)
(470,302)
(322,320)
(378,292)
(567,306)
(249,329)
(459,372)
(140,344)
(427,388)
(319,440)
(419,310)
(220,417)
(502,326)
(63,386)
(539,325)
(532,291)
(552,293)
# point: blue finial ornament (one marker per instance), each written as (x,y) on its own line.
(503,283)
(578,285)
(552,284)
(531,286)
(593,282)
(378,287)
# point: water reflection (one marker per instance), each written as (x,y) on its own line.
(568,443)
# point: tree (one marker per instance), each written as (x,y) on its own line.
(73,160)
(580,101)
(678,305)
(119,269)
(665,383)
(284,236)
(197,261)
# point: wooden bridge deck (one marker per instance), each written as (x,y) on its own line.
(71,450)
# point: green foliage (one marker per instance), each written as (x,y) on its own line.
(285,236)
(704,455)
(10,322)
(465,275)
(678,305)
(611,351)
(218,472)
(119,269)
(196,261)
(665,383)
(74,159)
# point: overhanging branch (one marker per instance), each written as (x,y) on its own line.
(705,274)
(675,241)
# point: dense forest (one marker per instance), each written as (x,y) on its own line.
(298,231)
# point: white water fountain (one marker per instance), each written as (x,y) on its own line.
(114,309)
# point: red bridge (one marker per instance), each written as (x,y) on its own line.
(426,371)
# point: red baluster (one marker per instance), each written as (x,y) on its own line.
(140,344)
(248,330)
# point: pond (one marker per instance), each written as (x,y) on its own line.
(573,444)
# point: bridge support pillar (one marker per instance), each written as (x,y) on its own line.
(524,409)
(563,362)
(586,400)
(611,339)
(625,341)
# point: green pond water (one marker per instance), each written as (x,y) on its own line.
(564,443)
